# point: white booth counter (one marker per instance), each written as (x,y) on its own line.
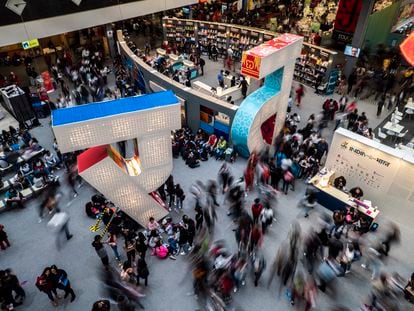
(335,199)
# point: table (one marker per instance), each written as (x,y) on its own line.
(409,105)
(396,128)
(335,199)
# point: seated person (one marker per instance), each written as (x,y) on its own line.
(220,148)
(153,225)
(38,180)
(50,159)
(192,161)
(14,198)
(40,167)
(409,289)
(356,193)
(20,180)
(211,143)
(10,157)
(32,149)
(340,182)
(25,169)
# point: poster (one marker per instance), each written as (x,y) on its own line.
(346,20)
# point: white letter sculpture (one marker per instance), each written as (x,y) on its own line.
(126,182)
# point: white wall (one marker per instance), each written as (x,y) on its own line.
(56,25)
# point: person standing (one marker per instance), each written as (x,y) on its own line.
(257,208)
(220,78)
(4,241)
(112,242)
(300,91)
(142,271)
(199,217)
(243,85)
(180,196)
(101,251)
(60,223)
(61,281)
(380,105)
(202,63)
(224,176)
(45,284)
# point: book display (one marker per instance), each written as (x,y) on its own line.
(314,68)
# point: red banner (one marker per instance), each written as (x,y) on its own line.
(347,15)
(407,49)
(47,81)
(251,65)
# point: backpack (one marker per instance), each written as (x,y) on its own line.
(162,252)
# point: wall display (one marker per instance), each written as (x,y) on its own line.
(405,16)
(346,20)
(147,119)
(351,51)
(378,169)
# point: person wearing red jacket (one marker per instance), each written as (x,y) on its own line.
(257,208)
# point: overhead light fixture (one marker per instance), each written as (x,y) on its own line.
(17,6)
(77,2)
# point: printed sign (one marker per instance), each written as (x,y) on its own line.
(30,44)
(250,65)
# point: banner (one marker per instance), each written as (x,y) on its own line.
(47,81)
(346,20)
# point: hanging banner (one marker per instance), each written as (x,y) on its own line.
(47,81)
(346,20)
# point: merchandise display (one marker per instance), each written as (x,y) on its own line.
(313,68)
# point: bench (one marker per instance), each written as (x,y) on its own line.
(21,160)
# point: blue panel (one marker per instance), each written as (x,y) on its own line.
(206,127)
(245,115)
(112,107)
(221,127)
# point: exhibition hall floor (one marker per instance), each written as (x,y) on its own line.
(170,282)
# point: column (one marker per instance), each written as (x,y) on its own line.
(359,34)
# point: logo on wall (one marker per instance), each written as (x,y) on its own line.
(407,49)
(250,65)
(345,145)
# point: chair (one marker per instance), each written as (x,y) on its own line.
(400,136)
(381,134)
(409,112)
(398,113)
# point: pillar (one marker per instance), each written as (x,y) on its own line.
(359,34)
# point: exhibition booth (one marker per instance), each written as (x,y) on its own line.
(385,175)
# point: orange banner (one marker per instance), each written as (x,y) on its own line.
(251,65)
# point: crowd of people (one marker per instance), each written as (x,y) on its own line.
(200,147)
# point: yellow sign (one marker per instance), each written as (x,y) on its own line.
(30,44)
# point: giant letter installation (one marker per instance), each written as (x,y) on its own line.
(146,119)
(262,114)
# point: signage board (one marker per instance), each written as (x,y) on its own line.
(30,44)
(346,20)
(251,65)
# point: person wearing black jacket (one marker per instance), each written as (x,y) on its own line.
(61,281)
